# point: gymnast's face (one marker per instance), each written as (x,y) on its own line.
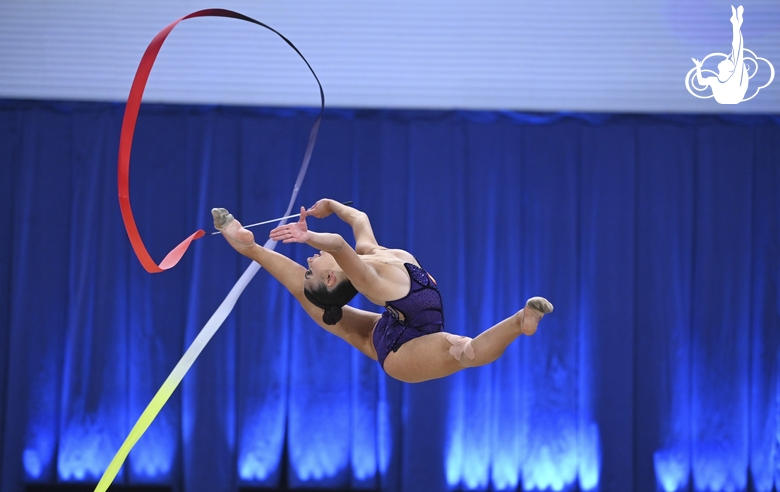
(322,269)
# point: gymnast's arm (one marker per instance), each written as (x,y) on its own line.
(365,242)
(363,276)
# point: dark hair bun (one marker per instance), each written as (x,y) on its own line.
(332,315)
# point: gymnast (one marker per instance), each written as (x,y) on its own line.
(407,339)
(731,84)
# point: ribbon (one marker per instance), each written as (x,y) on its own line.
(224,309)
(128,129)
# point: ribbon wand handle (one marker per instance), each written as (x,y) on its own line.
(349,202)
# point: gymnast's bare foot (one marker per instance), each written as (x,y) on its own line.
(530,316)
(234,232)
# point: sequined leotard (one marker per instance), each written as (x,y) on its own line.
(421,310)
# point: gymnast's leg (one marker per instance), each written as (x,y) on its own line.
(441,354)
(355,327)
(736,34)
(491,343)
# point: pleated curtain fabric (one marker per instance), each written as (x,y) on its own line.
(656,237)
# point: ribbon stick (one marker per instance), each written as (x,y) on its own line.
(128,129)
(219,316)
(273,220)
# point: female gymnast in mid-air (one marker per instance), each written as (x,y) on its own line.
(407,338)
(731,84)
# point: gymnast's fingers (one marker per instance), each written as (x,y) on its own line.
(279,233)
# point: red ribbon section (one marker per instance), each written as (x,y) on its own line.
(128,129)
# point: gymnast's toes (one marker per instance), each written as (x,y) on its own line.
(221,217)
(232,229)
(540,304)
(533,312)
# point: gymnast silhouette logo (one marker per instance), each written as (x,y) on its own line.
(730,84)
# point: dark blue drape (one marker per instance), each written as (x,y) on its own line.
(657,239)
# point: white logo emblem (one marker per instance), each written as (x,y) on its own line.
(730,84)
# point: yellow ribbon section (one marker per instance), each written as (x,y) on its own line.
(143,423)
(178,372)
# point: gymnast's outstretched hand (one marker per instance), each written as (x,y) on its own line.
(321,209)
(297,232)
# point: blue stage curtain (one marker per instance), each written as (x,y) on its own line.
(656,237)
(764,337)
(664,243)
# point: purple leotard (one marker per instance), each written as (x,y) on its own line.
(422,313)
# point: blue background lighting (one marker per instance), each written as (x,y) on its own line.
(658,369)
